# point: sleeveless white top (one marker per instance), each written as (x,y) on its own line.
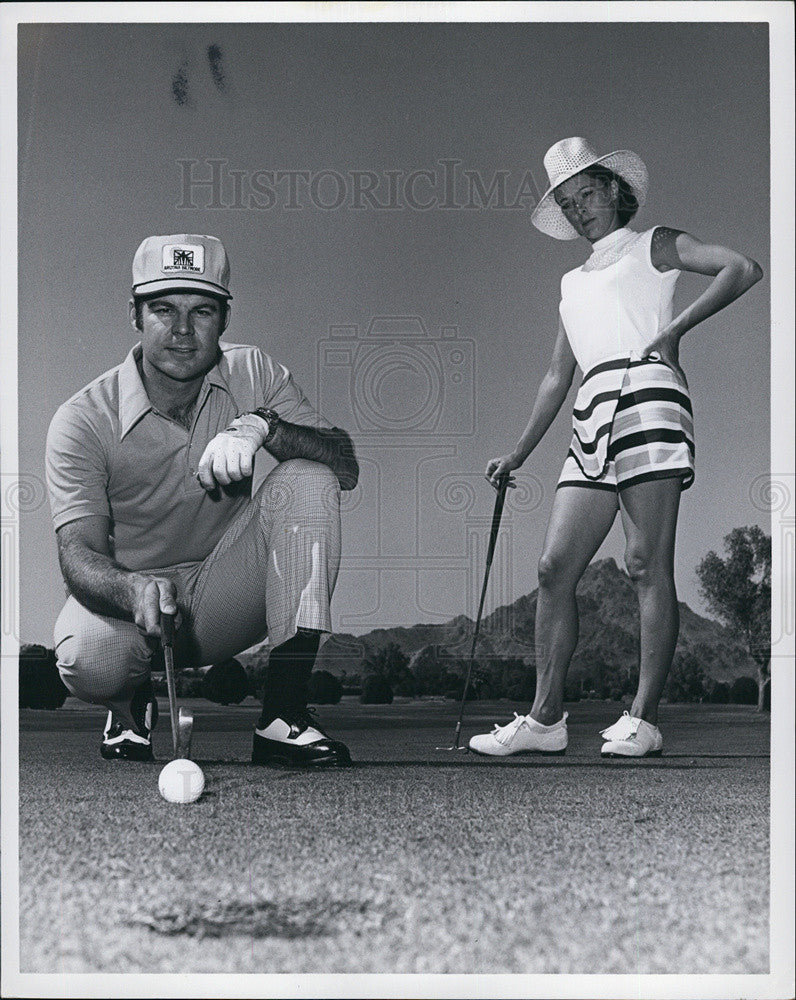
(616,303)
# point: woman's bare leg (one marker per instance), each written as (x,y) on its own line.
(580,520)
(649,517)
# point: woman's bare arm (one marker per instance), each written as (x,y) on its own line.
(733,274)
(549,398)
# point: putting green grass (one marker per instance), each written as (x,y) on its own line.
(414,860)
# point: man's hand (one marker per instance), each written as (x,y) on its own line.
(229,457)
(153,596)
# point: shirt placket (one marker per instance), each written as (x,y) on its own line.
(196,444)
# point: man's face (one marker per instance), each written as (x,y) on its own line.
(180,333)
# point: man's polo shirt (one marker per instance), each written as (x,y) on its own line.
(109,452)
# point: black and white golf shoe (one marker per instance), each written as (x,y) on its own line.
(296,740)
(119,743)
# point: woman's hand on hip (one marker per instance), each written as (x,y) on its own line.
(497,468)
(667,346)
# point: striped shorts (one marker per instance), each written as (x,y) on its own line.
(632,423)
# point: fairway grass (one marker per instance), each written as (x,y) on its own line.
(411,861)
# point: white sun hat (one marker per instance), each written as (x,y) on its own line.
(571,156)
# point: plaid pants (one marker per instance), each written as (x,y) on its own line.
(272,572)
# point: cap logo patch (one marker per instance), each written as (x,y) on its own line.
(183,257)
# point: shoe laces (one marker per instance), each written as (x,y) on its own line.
(503,734)
(305,717)
(625,729)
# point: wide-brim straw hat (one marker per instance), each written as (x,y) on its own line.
(569,157)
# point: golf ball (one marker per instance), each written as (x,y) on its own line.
(181,781)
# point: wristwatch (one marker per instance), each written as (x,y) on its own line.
(271,417)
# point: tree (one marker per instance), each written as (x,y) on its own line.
(430,669)
(376,690)
(738,591)
(390,662)
(743,691)
(686,680)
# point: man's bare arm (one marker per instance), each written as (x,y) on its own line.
(331,447)
(230,456)
(104,586)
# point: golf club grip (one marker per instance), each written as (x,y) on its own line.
(496,516)
(167,629)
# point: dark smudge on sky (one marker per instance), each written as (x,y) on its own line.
(179,85)
(216,66)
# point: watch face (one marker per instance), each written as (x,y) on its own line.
(271,417)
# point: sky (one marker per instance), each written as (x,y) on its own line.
(419,314)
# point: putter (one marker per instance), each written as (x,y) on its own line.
(499,501)
(182,721)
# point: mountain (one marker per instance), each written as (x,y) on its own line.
(608,612)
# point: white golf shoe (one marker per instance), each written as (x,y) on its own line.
(522,735)
(631,737)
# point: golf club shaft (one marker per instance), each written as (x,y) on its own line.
(167,632)
(185,732)
(496,516)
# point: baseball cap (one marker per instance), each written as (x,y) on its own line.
(183,262)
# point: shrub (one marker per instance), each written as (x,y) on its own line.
(686,680)
(376,690)
(324,688)
(40,684)
(573,689)
(406,686)
(431,670)
(455,693)
(520,685)
(190,686)
(719,693)
(487,691)
(255,672)
(744,691)
(390,662)
(226,683)
(187,685)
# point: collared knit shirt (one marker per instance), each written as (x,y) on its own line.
(111,453)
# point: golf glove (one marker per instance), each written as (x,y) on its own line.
(229,457)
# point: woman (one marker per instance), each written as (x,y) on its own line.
(632,448)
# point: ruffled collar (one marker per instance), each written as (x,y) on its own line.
(610,249)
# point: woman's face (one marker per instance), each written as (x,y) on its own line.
(590,205)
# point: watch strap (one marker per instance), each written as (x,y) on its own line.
(271,417)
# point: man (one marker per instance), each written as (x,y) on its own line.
(149,469)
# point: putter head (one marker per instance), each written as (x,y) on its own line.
(184,733)
(456,736)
